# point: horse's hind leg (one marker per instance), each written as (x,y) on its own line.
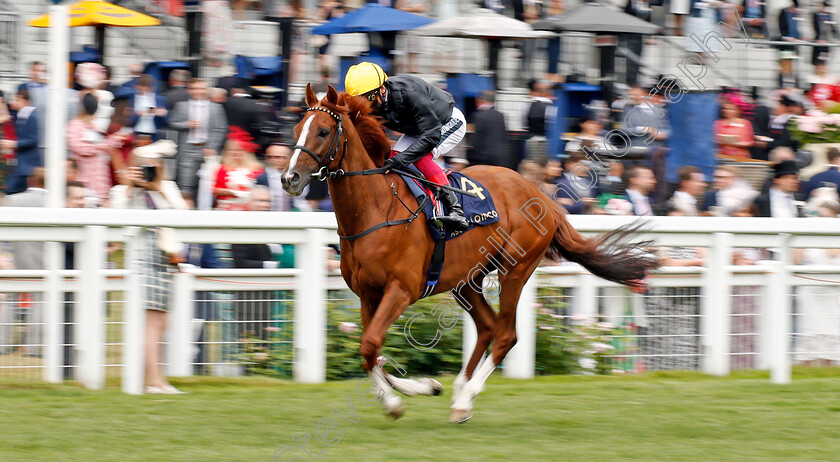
(485,321)
(504,338)
(391,306)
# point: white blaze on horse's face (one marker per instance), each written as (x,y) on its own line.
(292,180)
(303,134)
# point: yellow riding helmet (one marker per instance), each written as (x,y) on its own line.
(364,77)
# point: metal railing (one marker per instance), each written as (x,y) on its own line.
(11,48)
(715,318)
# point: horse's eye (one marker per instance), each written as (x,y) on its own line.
(323,132)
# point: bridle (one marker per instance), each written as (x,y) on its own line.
(327,159)
(324,172)
(339,143)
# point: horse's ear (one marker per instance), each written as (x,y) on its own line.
(311,99)
(342,101)
(332,95)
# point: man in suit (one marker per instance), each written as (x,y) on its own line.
(753,17)
(577,185)
(788,77)
(829,177)
(731,193)
(150,111)
(536,117)
(28,256)
(489,139)
(692,183)
(36,85)
(276,160)
(640,184)
(780,200)
(202,128)
(789,107)
(825,31)
(29,154)
(242,111)
(177,91)
(788,22)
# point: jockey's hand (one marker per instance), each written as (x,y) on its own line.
(392,163)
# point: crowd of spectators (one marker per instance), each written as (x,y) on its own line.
(146,145)
(126,141)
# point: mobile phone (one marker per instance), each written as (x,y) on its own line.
(149,173)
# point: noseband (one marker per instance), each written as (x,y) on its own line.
(324,161)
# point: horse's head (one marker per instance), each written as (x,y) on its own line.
(319,141)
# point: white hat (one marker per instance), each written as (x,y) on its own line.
(156,150)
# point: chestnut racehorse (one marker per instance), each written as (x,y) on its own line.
(338,139)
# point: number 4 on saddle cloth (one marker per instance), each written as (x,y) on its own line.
(479,210)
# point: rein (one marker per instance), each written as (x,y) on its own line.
(323,169)
(324,172)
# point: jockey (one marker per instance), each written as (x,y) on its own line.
(426,116)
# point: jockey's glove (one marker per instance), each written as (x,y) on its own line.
(394,162)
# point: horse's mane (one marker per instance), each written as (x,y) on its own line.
(368,125)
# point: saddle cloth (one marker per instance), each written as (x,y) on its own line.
(479,210)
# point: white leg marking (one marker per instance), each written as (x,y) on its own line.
(303,134)
(475,385)
(411,387)
(389,399)
(458,386)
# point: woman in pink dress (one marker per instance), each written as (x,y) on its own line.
(91,149)
(733,134)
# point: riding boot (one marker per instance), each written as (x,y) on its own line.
(456,216)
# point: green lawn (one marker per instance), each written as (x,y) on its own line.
(653,417)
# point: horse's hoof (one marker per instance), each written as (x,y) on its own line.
(437,388)
(397,412)
(458,416)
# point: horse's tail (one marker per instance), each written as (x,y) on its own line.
(611,255)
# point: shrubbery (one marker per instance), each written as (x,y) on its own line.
(564,345)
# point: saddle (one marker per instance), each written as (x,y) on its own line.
(478,206)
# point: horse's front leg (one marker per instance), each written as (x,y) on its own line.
(392,304)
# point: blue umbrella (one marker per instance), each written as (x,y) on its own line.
(372,18)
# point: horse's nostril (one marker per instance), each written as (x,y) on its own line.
(290,179)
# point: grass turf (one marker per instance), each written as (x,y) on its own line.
(653,417)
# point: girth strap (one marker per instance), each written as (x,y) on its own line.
(435,268)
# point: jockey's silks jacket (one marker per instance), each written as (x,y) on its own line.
(415,108)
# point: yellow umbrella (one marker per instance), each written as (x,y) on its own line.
(100,14)
(97,12)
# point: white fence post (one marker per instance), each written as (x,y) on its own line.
(716,306)
(90,312)
(776,333)
(586,296)
(179,335)
(53,315)
(521,360)
(134,318)
(310,335)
